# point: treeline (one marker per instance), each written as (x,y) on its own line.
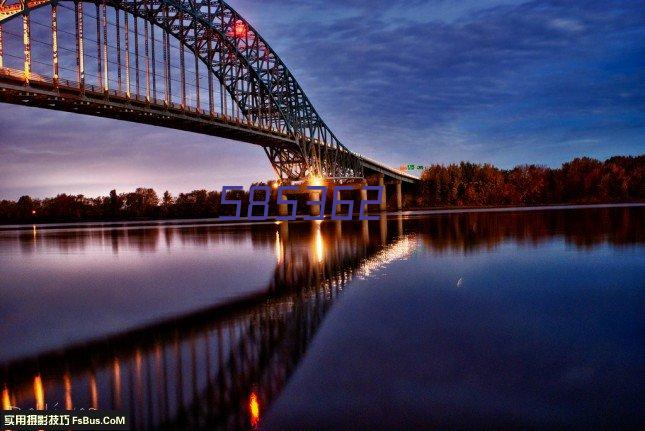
(582,180)
(143,203)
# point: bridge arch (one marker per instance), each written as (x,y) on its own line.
(250,71)
(164,17)
(278,115)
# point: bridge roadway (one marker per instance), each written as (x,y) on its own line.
(67,96)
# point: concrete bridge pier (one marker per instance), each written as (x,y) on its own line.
(381,182)
(314,195)
(363,196)
(283,209)
(398,195)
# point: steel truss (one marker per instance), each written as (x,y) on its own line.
(262,87)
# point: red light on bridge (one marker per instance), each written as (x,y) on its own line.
(239,29)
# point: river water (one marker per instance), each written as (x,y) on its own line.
(508,318)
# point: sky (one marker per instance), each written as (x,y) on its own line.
(501,82)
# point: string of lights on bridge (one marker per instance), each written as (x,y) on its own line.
(228,107)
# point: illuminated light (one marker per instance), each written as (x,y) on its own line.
(33,212)
(39,393)
(6,400)
(254,409)
(315,180)
(275,184)
(239,29)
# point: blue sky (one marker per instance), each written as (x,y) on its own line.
(505,82)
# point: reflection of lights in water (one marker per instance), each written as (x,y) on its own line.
(319,245)
(34,231)
(39,393)
(397,251)
(6,401)
(67,380)
(117,381)
(278,247)
(254,409)
(94,392)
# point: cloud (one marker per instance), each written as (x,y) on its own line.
(502,81)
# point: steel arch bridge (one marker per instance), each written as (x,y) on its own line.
(194,65)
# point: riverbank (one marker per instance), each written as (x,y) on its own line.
(244,221)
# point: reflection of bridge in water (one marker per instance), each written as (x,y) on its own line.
(219,367)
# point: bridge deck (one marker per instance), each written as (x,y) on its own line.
(91,100)
(67,96)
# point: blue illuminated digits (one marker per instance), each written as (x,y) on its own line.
(282,201)
(320,202)
(338,201)
(236,202)
(263,203)
(365,202)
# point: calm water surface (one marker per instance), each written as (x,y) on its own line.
(524,319)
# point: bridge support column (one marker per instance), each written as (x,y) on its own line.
(338,193)
(363,194)
(283,209)
(339,207)
(314,195)
(381,182)
(361,186)
(398,195)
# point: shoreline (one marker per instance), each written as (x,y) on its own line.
(93,224)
